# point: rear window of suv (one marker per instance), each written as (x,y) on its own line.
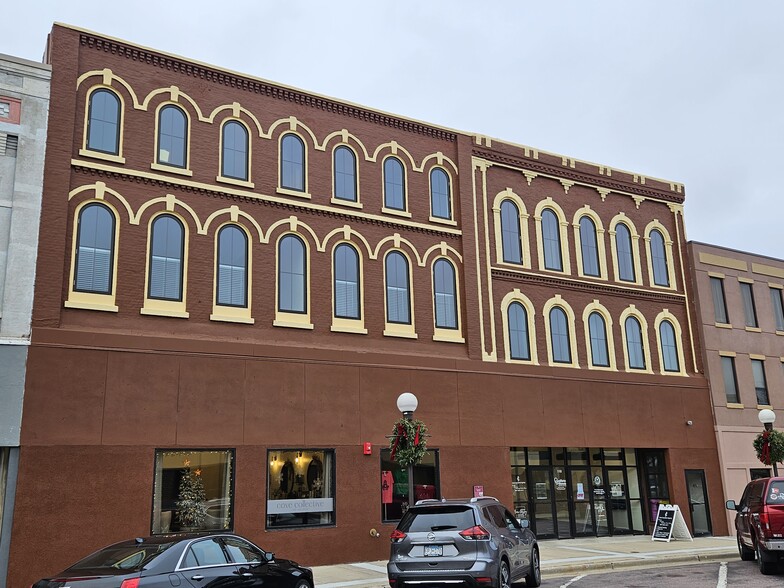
(437,518)
(775,493)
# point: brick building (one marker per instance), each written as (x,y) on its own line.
(237,279)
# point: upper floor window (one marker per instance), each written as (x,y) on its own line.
(167,258)
(172,136)
(398,297)
(634,344)
(623,245)
(510,232)
(749,308)
(778,307)
(292,275)
(559,335)
(345,174)
(394,184)
(597,329)
(94,250)
(346,282)
(519,343)
(292,163)
(235,151)
(589,247)
(103,122)
(719,303)
(551,235)
(730,379)
(661,274)
(445,298)
(669,347)
(440,204)
(232,267)
(760,382)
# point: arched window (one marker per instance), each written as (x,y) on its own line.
(444,295)
(394,184)
(559,335)
(589,247)
(661,275)
(510,232)
(172,136)
(597,329)
(669,347)
(519,344)
(292,163)
(232,267)
(634,343)
(345,174)
(623,245)
(346,282)
(551,235)
(440,205)
(166,258)
(94,250)
(292,275)
(103,122)
(235,151)
(398,297)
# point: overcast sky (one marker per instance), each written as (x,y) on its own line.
(685,90)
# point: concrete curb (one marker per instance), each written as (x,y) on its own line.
(610,565)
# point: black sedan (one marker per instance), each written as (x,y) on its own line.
(199,561)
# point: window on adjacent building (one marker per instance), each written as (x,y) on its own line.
(519,344)
(103,122)
(232,267)
(345,174)
(172,136)
(94,250)
(634,343)
(778,307)
(394,184)
(193,491)
(235,151)
(300,488)
(292,275)
(598,331)
(510,232)
(445,298)
(730,379)
(719,303)
(551,235)
(623,247)
(589,247)
(292,163)
(440,204)
(166,258)
(396,485)
(669,347)
(760,382)
(346,282)
(559,336)
(397,285)
(749,308)
(661,275)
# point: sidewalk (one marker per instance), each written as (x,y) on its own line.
(564,557)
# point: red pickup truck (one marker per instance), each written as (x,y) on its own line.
(760,522)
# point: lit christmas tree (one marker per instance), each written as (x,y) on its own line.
(191,511)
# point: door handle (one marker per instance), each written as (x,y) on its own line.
(197,577)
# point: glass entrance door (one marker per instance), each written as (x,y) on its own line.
(698,502)
(582,513)
(617,501)
(541,495)
(600,493)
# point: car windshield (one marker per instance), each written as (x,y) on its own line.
(775,493)
(437,518)
(122,557)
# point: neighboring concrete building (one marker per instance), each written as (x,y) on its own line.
(24,105)
(237,279)
(741,312)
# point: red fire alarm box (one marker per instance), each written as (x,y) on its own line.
(368,449)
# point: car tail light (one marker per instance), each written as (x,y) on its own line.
(477,533)
(132,583)
(763,519)
(397,536)
(484,580)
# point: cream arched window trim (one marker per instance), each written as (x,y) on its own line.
(441,333)
(656,225)
(557,301)
(597,307)
(249,155)
(357,202)
(304,193)
(666,315)
(563,234)
(294,320)
(635,238)
(632,310)
(349,325)
(525,245)
(517,296)
(85,151)
(578,244)
(155,306)
(91,300)
(173,169)
(233,314)
(394,329)
(450,195)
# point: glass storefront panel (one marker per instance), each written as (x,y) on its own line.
(544,525)
(577,456)
(581,499)
(619,514)
(395,487)
(538,456)
(300,488)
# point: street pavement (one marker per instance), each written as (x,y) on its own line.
(564,557)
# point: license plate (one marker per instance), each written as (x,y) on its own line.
(434,550)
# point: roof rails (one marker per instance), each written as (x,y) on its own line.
(476,498)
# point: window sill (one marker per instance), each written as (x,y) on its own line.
(396,212)
(564,365)
(227,318)
(780,332)
(338,326)
(723,325)
(99,155)
(349,203)
(521,361)
(295,193)
(404,331)
(448,336)
(86,305)
(764,406)
(235,182)
(443,221)
(170,169)
(511,265)
(679,373)
(293,323)
(734,405)
(163,312)
(754,329)
(602,368)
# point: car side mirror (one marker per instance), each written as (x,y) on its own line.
(731,505)
(524,523)
(269,556)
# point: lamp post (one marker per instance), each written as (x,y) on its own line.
(407,403)
(767,417)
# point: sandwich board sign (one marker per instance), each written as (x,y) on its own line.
(670,524)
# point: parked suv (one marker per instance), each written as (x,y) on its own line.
(760,522)
(473,542)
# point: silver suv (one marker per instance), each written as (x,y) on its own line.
(473,542)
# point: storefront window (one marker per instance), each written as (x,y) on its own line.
(300,488)
(395,484)
(194,490)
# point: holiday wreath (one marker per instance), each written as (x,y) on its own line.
(769,446)
(408,442)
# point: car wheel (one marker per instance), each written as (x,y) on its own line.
(503,575)
(767,566)
(534,577)
(303,584)
(746,554)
